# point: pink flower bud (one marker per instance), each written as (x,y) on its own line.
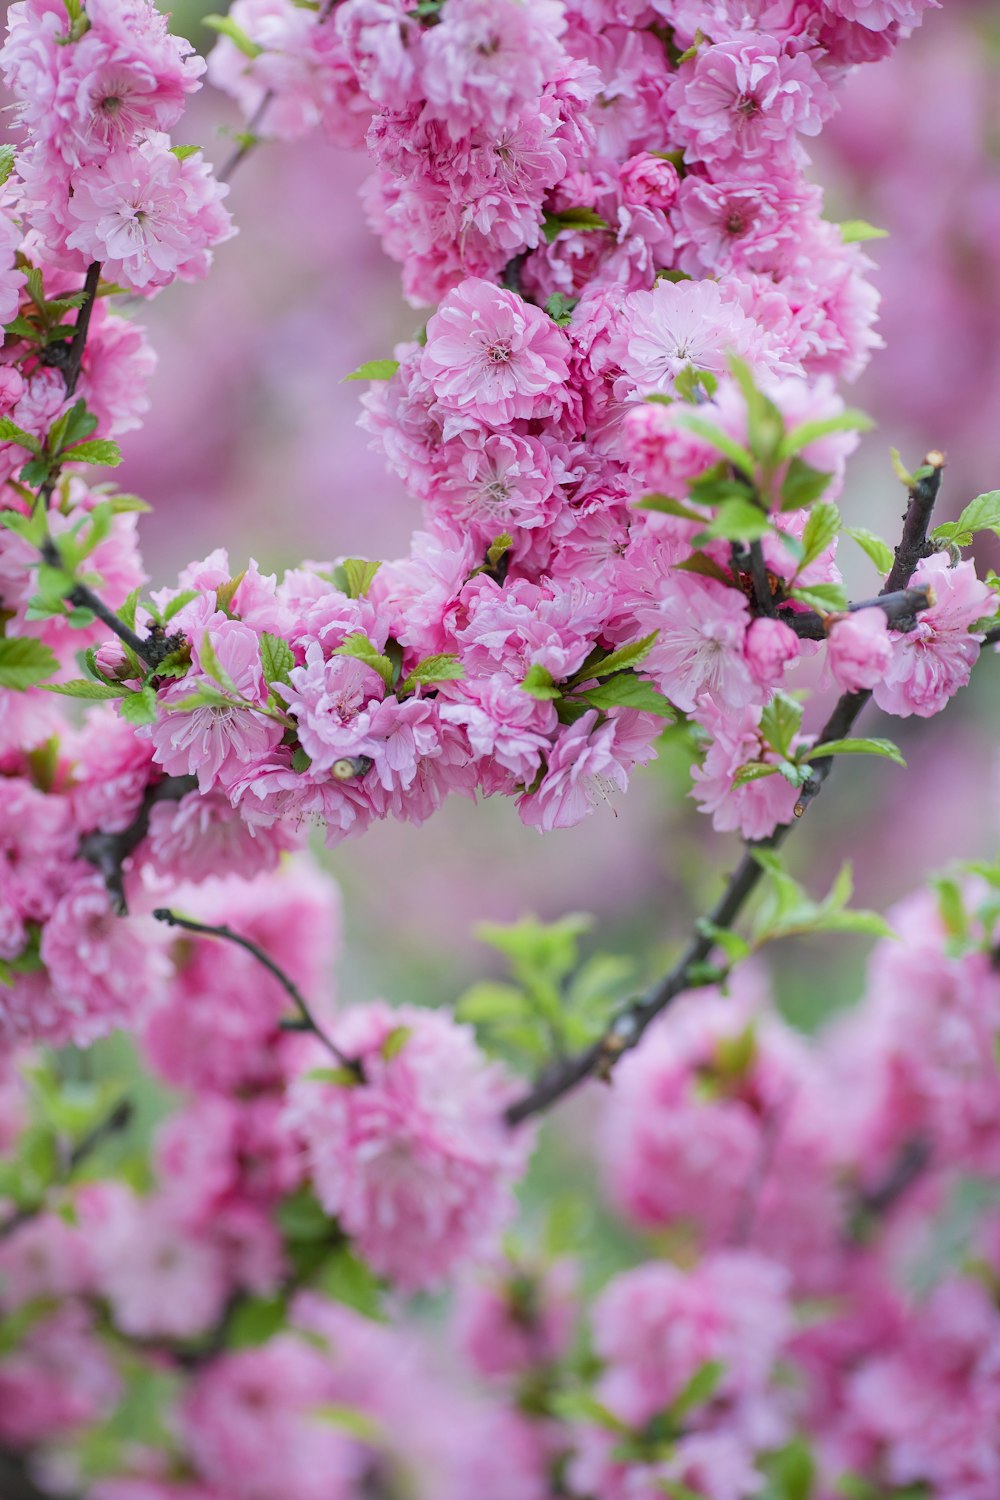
(770,646)
(649,181)
(859,649)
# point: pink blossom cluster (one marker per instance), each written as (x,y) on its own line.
(98,87)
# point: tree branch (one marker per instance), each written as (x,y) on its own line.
(627,1028)
(16,1482)
(74,359)
(171,918)
(109,851)
(901,609)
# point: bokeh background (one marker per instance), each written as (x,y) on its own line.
(252,443)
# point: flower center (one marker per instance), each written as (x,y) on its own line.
(498,354)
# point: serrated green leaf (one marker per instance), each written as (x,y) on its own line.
(183,152)
(211,665)
(624,658)
(705,567)
(981,514)
(800,437)
(277,657)
(358,575)
(81,688)
(177,603)
(11,433)
(825,597)
(361,649)
(571,218)
(99,451)
(754,770)
(780,722)
(802,485)
(538,683)
(735,521)
(873,547)
(441,668)
(666,506)
(737,455)
(23,662)
(226,26)
(6,163)
(885,748)
(374,369)
(820,530)
(628,691)
(140,707)
(856,231)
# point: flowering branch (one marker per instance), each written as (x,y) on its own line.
(309,1022)
(628,1027)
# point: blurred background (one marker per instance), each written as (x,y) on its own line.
(252,442)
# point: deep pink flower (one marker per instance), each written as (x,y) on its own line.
(859,649)
(494,356)
(930,664)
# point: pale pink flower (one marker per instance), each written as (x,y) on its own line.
(702,627)
(690,323)
(859,649)
(494,356)
(587,763)
(771,648)
(505,722)
(648,180)
(930,664)
(332,703)
(755,808)
(414,1159)
(517,1319)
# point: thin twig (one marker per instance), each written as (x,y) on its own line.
(689,972)
(109,851)
(249,140)
(119,1119)
(171,918)
(901,609)
(74,361)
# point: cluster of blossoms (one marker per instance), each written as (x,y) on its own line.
(661,308)
(771,1329)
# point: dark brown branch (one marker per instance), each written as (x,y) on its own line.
(992,636)
(910,1164)
(16,1482)
(109,851)
(74,359)
(901,610)
(762,591)
(627,1028)
(205,929)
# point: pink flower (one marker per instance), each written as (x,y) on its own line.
(104,970)
(112,773)
(757,807)
(859,649)
(485,57)
(415,1159)
(771,647)
(931,663)
(494,356)
(517,1320)
(332,703)
(215,742)
(690,323)
(586,764)
(745,100)
(702,626)
(648,180)
(148,216)
(505,722)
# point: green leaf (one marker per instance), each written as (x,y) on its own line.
(620,660)
(183,152)
(581,1406)
(692,384)
(23,662)
(571,218)
(820,530)
(395,1041)
(885,748)
(82,688)
(802,485)
(664,505)
(357,1424)
(98,451)
(212,667)
(301,1218)
(177,603)
(354,576)
(736,521)
(140,707)
(226,592)
(981,514)
(856,231)
(342,1078)
(628,691)
(203,696)
(490,1002)
(765,424)
(498,548)
(791,1472)
(226,26)
(560,308)
(754,770)
(254,1320)
(441,668)
(780,722)
(347,1279)
(825,597)
(361,649)
(737,455)
(705,567)
(11,433)
(873,547)
(700,1389)
(6,163)
(538,683)
(374,369)
(800,437)
(277,657)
